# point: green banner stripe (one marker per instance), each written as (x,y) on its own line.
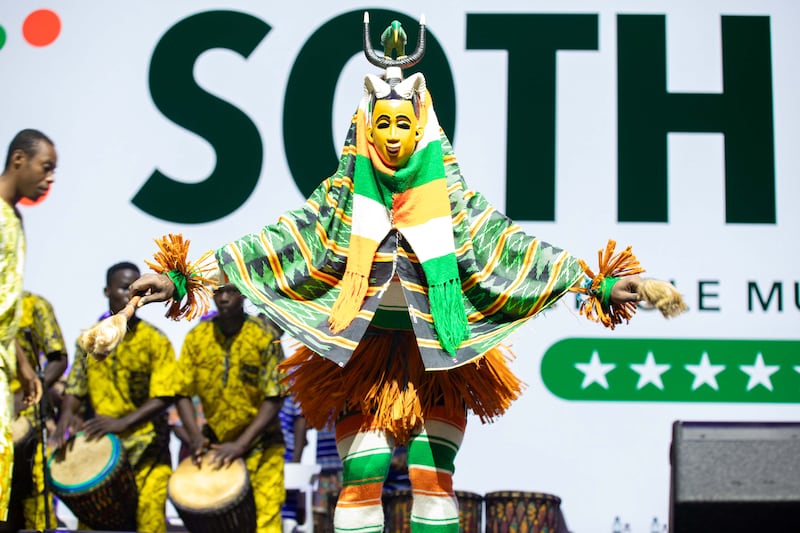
(674,370)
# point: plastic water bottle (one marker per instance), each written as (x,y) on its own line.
(654,527)
(617,527)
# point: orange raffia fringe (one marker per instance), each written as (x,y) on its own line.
(171,256)
(385,376)
(617,265)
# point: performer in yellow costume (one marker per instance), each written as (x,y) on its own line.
(129,392)
(40,337)
(28,173)
(230,363)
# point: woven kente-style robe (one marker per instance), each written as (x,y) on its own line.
(290,270)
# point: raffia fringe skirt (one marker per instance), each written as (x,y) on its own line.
(385,377)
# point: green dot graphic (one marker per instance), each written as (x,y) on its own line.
(2,37)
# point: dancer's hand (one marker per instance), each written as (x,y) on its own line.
(625,290)
(153,288)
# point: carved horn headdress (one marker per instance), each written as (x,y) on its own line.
(394,43)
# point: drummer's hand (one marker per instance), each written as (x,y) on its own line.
(198,447)
(31,384)
(100,425)
(624,290)
(68,425)
(226,453)
(153,288)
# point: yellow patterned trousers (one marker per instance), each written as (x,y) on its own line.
(151,514)
(266,477)
(33,506)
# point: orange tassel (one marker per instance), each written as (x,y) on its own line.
(348,303)
(171,256)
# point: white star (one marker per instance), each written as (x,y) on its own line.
(759,373)
(650,372)
(797,369)
(705,373)
(595,371)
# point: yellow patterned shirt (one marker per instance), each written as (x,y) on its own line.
(39,336)
(39,332)
(12,264)
(232,376)
(141,367)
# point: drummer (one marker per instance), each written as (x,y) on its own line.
(229,361)
(39,336)
(129,392)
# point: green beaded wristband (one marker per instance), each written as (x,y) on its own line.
(180,284)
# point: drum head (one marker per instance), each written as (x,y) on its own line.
(83,463)
(203,487)
(21,429)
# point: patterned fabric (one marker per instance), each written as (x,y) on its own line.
(141,367)
(431,465)
(291,269)
(289,412)
(327,453)
(12,263)
(39,335)
(151,482)
(39,332)
(6,445)
(330,475)
(367,453)
(265,469)
(33,506)
(232,376)
(413,199)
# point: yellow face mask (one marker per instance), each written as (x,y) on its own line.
(394,132)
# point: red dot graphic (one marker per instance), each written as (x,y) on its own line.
(41,27)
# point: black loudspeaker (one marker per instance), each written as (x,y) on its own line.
(735,476)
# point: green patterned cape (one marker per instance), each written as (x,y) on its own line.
(291,269)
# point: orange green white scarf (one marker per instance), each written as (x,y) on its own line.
(414,201)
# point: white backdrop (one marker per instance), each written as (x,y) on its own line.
(89,91)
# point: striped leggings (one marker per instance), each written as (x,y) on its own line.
(366,452)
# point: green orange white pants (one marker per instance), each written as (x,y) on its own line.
(366,452)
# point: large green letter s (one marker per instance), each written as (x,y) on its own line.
(232,134)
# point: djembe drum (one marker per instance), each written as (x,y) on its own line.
(534,512)
(397,511)
(93,478)
(24,437)
(210,500)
